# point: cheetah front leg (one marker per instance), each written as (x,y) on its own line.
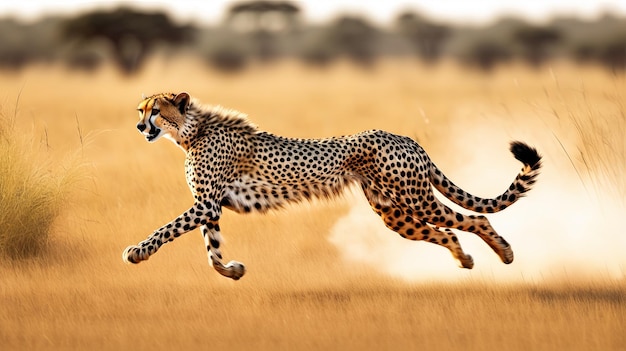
(213,241)
(198,214)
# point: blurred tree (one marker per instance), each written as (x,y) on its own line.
(535,42)
(265,21)
(133,34)
(22,43)
(485,54)
(13,54)
(428,38)
(354,37)
(613,54)
(318,51)
(584,52)
(228,57)
(84,57)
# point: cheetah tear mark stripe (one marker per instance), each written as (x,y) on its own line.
(522,183)
(153,128)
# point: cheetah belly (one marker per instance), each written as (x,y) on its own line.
(254,194)
(247,195)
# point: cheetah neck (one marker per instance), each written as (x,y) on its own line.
(201,119)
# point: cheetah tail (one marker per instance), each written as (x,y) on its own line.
(529,157)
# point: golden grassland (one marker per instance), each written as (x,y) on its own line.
(300,292)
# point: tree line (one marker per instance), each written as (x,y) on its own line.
(270,30)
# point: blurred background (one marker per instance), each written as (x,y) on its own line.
(461,78)
(78,183)
(229,35)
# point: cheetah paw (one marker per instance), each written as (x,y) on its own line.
(133,254)
(467,262)
(233,269)
(507,255)
(237,269)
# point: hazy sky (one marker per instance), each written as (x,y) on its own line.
(381,11)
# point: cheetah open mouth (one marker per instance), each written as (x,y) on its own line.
(153,135)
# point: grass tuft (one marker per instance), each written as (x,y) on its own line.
(33,193)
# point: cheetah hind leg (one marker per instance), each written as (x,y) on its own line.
(414,229)
(233,269)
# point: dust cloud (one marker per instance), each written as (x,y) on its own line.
(565,228)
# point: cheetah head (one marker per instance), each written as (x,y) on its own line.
(162,115)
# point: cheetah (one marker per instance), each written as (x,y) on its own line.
(230,163)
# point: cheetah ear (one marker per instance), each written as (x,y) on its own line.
(181,101)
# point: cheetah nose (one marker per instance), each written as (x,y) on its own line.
(141,127)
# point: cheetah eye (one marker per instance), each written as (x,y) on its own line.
(154,111)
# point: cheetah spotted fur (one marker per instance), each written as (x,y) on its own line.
(232,164)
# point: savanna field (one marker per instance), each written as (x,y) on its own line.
(324,275)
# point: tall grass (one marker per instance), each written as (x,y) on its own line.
(33,192)
(598,122)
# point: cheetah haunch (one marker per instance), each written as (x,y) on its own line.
(230,163)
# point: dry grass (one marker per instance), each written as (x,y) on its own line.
(33,193)
(300,292)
